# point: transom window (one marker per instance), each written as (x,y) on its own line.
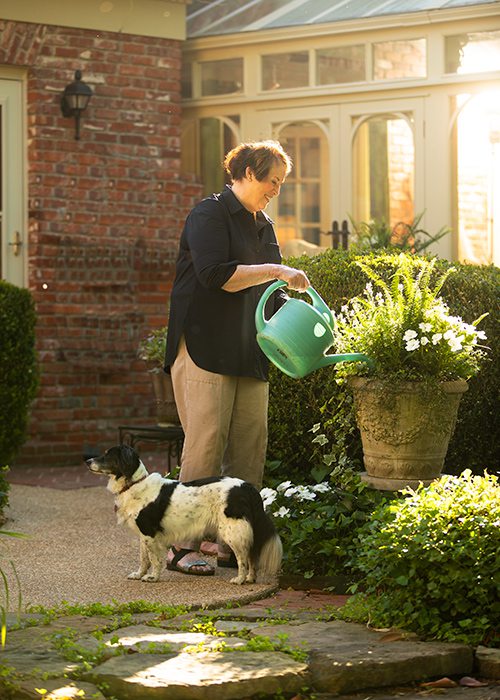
(393,60)
(222,77)
(343,64)
(472,52)
(285,70)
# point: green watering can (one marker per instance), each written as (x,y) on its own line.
(298,335)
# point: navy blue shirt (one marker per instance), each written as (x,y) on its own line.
(219,326)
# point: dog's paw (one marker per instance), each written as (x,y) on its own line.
(238,580)
(149,578)
(135,575)
(250,578)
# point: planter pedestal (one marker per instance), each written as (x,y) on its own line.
(405,429)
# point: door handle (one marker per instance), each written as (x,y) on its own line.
(16,244)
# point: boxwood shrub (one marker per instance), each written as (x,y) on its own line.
(298,404)
(19,367)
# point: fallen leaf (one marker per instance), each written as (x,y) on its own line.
(441,683)
(469,682)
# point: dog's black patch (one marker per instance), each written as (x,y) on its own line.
(149,518)
(203,482)
(245,501)
(242,501)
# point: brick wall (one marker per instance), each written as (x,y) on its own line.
(104,216)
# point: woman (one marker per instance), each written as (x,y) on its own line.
(228,256)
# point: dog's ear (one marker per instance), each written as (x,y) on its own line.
(129,461)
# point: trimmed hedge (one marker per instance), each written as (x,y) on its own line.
(19,367)
(296,405)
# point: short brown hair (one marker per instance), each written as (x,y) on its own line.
(260,156)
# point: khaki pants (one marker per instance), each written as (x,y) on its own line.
(224,421)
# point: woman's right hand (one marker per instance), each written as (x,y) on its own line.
(295,279)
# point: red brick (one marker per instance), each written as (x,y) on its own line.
(104,221)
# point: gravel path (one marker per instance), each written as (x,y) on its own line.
(75,551)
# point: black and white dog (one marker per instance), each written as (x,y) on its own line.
(163,511)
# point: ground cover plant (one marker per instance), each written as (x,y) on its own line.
(429,561)
(317,518)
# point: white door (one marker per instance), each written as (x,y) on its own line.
(12,194)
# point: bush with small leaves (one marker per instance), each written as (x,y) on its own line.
(429,562)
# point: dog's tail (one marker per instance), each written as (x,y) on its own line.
(267,550)
(269,561)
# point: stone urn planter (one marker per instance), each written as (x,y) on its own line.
(166,410)
(405,428)
(152,351)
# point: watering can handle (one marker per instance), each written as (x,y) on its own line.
(317,303)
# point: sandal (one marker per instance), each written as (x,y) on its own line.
(231,563)
(186,569)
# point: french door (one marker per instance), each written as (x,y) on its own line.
(353,162)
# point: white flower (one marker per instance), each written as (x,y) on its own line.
(282,512)
(283,486)
(409,335)
(425,327)
(424,340)
(321,488)
(449,334)
(436,338)
(268,496)
(304,493)
(456,343)
(291,491)
(481,335)
(412,345)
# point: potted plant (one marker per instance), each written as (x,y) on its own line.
(152,351)
(406,404)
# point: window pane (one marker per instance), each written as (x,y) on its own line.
(186,80)
(222,77)
(345,64)
(309,157)
(399,59)
(311,234)
(384,170)
(477,144)
(285,70)
(286,201)
(310,201)
(473,52)
(216,139)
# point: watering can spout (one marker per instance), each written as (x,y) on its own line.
(328,360)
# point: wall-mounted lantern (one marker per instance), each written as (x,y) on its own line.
(75,99)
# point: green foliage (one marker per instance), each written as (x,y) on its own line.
(4,492)
(430,561)
(19,367)
(406,328)
(5,603)
(296,405)
(377,235)
(152,348)
(317,522)
(120,611)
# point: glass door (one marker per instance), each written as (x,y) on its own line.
(381,152)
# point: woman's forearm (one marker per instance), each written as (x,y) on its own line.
(250,275)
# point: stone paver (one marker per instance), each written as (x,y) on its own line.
(178,660)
